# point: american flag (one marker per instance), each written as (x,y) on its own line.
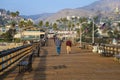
(103,26)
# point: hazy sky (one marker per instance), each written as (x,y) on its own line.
(31,7)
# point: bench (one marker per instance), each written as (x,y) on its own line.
(26,65)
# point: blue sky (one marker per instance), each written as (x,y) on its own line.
(31,7)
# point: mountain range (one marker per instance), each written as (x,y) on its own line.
(98,8)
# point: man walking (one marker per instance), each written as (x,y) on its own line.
(68,46)
(58,43)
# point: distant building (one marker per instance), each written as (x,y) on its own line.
(63,33)
(29,35)
(4,29)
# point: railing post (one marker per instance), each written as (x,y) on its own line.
(38,47)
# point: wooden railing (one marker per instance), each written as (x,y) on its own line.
(106,49)
(110,50)
(10,57)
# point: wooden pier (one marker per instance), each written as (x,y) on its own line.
(81,64)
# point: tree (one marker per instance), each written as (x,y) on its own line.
(40,24)
(9,35)
(12,30)
(47,24)
(13,14)
(17,13)
(29,23)
(62,22)
(21,25)
(55,26)
(69,25)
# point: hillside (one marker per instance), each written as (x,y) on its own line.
(104,8)
(38,17)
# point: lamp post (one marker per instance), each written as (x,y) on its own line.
(93,31)
(69,21)
(80,36)
(40,35)
(81,33)
(39,45)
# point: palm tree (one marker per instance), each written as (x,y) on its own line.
(55,26)
(47,24)
(69,25)
(78,31)
(29,23)
(40,24)
(63,22)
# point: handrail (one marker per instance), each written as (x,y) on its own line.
(107,49)
(10,57)
(110,50)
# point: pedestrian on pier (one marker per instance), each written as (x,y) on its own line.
(68,46)
(58,43)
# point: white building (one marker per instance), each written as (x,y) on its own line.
(29,35)
(63,33)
